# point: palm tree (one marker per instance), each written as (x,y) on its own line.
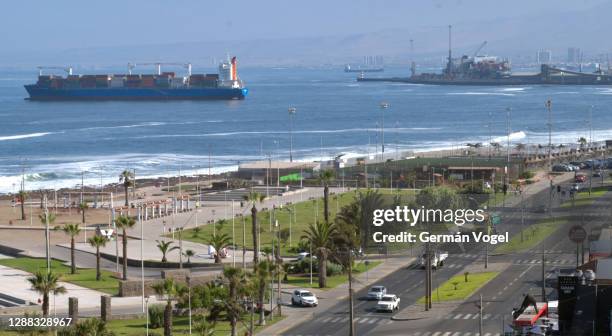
(22,196)
(320,236)
(169,290)
(46,283)
(326,177)
(124,223)
(83,206)
(189,254)
(97,241)
(262,275)
(582,141)
(127,178)
(254,197)
(164,248)
(236,281)
(219,242)
(91,326)
(72,230)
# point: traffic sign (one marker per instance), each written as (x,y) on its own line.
(577,234)
(495,219)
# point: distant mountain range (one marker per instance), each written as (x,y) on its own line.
(522,36)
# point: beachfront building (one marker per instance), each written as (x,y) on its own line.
(275,172)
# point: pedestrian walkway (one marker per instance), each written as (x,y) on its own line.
(15,283)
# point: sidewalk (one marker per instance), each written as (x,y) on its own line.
(328,298)
(15,283)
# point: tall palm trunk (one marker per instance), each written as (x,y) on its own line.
(322,270)
(98,275)
(127,194)
(168,319)
(23,215)
(45,304)
(233,320)
(83,217)
(326,203)
(261,296)
(233,323)
(72,265)
(124,254)
(255,229)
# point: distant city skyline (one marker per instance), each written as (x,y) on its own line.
(317,31)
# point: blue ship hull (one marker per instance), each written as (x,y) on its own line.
(125,93)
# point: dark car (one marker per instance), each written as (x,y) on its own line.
(580,178)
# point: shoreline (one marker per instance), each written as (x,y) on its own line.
(535,151)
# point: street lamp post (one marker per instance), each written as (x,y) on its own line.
(147,314)
(383,107)
(292,111)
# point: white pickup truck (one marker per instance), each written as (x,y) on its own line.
(437,259)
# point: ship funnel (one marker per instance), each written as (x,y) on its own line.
(234,73)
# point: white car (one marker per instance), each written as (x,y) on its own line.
(388,303)
(304,255)
(377,292)
(304,298)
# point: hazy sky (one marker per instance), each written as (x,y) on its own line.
(61,24)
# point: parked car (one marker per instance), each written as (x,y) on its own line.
(580,178)
(303,298)
(561,168)
(575,187)
(376,292)
(597,174)
(304,255)
(389,303)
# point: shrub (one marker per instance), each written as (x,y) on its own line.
(156,317)
(526,175)
(333,269)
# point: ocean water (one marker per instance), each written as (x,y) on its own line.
(54,142)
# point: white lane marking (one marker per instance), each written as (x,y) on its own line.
(458,316)
(467,316)
(486,316)
(335,319)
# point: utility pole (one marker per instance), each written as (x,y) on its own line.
(543,277)
(480,317)
(549,109)
(351,308)
(47,236)
(383,107)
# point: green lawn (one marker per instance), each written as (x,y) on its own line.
(456,288)
(135,327)
(302,214)
(532,235)
(85,277)
(332,281)
(583,198)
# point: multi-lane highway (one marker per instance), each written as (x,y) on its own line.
(521,273)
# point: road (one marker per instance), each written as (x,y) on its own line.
(522,275)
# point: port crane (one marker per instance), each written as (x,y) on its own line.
(68,70)
(482,45)
(158,65)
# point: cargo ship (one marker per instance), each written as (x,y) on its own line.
(160,86)
(491,70)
